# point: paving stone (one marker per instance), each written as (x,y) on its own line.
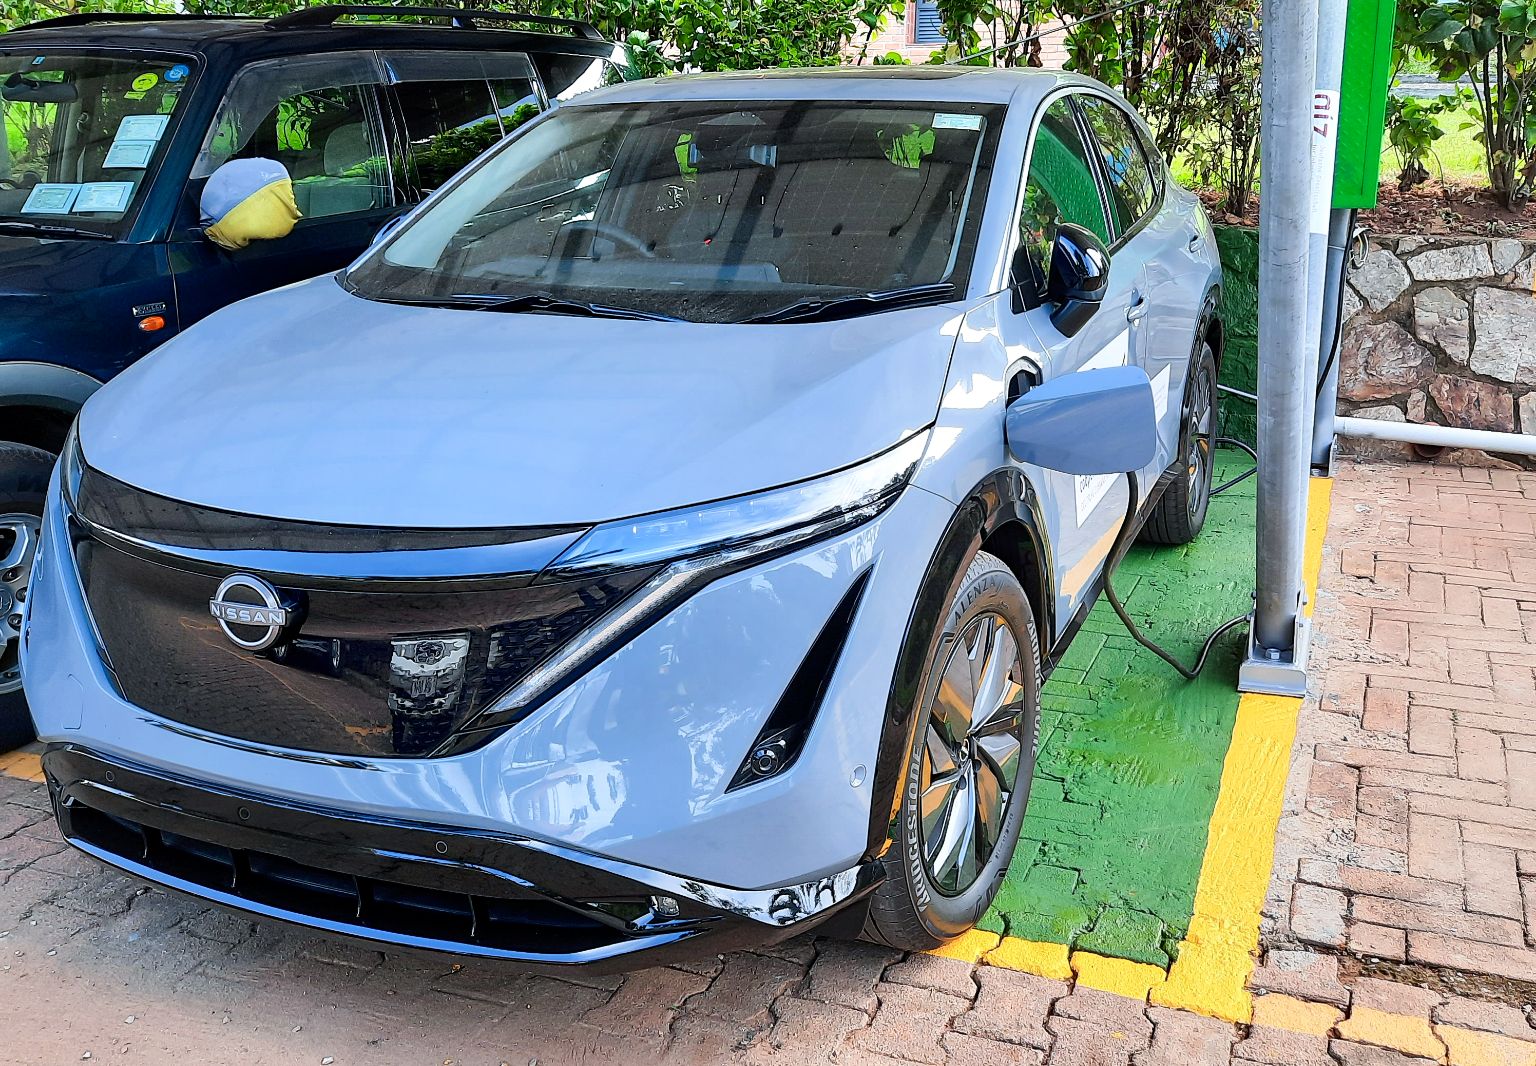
(1394,997)
(1303,974)
(1477,1049)
(1317,915)
(1011,1006)
(1120,1013)
(978,1051)
(644,1004)
(1079,1043)
(935,971)
(745,987)
(909,1023)
(704,1038)
(1349,1053)
(804,1023)
(1281,1047)
(1183,1039)
(1487,1017)
(1518,963)
(846,972)
(1409,1034)
(1378,941)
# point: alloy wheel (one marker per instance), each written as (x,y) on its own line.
(18,547)
(1202,440)
(973,741)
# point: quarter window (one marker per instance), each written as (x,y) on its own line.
(1132,189)
(1060,188)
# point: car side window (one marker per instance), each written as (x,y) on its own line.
(1060,187)
(1132,188)
(454,106)
(317,116)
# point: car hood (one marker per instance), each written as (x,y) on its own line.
(313,404)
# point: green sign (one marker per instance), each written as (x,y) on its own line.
(1363,102)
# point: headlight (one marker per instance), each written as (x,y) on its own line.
(698,544)
(770,520)
(71,467)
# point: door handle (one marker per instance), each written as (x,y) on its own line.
(1138,309)
(1196,243)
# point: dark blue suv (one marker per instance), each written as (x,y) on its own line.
(112,126)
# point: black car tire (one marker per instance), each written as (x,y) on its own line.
(911,910)
(24,474)
(1180,513)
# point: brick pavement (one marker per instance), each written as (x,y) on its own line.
(1392,860)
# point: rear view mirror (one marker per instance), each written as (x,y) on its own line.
(1079,277)
(20,89)
(1088,422)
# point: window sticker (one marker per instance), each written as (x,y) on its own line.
(945,121)
(104,196)
(178,72)
(129,155)
(141,128)
(50,198)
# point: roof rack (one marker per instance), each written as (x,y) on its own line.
(461,17)
(86,18)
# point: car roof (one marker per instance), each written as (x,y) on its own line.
(196,34)
(955,84)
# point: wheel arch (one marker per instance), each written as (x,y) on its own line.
(38,401)
(1002,515)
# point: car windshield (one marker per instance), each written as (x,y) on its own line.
(706,211)
(83,134)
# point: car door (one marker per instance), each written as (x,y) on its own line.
(1083,513)
(1155,238)
(449,107)
(321,118)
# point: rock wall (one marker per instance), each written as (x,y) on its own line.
(1441,331)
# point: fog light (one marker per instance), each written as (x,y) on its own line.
(665,906)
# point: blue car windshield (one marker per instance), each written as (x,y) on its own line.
(83,136)
(705,211)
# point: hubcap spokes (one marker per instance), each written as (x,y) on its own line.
(1202,439)
(972,747)
(18,547)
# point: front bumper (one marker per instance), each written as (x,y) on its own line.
(416,885)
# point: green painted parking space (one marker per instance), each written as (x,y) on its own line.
(1131,754)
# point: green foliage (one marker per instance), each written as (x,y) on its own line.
(1492,42)
(1413,127)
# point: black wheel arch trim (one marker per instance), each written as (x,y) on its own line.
(34,384)
(1003,497)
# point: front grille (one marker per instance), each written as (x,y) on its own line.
(394,908)
(374,668)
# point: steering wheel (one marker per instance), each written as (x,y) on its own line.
(616,234)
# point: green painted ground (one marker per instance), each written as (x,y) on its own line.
(1131,754)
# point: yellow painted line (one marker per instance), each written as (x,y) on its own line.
(969,946)
(1031,956)
(1210,975)
(1411,1036)
(24,763)
(1296,1015)
(1120,976)
(1467,1047)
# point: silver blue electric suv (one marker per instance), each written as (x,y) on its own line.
(656,542)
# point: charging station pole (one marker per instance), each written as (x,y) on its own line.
(1277,646)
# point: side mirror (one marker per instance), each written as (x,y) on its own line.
(1087,422)
(1079,277)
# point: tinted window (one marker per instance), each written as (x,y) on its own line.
(1131,187)
(567,76)
(1060,188)
(316,116)
(455,106)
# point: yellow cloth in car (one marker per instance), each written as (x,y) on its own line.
(267,214)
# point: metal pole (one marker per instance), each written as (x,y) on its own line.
(1285,208)
(1340,236)
(1332,26)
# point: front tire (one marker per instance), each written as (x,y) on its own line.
(965,782)
(24,474)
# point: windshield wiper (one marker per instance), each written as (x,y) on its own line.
(51,230)
(824,309)
(559,305)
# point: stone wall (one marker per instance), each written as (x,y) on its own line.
(1441,331)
